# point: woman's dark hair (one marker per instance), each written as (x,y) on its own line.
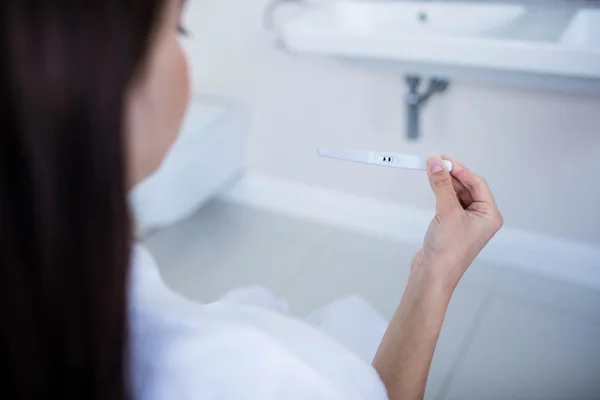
(65,230)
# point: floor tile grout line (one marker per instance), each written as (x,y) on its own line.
(467,341)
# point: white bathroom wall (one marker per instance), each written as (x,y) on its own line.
(539,150)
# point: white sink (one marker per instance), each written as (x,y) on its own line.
(584,29)
(426,19)
(535,44)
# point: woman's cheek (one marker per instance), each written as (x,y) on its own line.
(184,82)
(180,91)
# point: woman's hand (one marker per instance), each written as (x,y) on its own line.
(465,221)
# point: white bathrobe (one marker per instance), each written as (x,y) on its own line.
(246,347)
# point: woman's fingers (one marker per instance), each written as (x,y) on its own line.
(463,194)
(441,184)
(475,184)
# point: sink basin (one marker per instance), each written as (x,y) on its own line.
(584,29)
(529,43)
(427,19)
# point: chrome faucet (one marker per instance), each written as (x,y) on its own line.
(415,101)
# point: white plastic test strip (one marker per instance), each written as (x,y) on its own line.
(384,159)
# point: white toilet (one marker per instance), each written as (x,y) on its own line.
(207,157)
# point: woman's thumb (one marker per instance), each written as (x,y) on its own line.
(441,184)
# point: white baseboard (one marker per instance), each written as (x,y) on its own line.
(534,252)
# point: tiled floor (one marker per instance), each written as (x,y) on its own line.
(507,335)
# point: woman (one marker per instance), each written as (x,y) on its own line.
(93,95)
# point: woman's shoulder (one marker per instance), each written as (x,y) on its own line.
(227,362)
(186,350)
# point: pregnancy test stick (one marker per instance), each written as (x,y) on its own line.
(384,159)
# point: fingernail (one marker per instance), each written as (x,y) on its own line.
(435,165)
